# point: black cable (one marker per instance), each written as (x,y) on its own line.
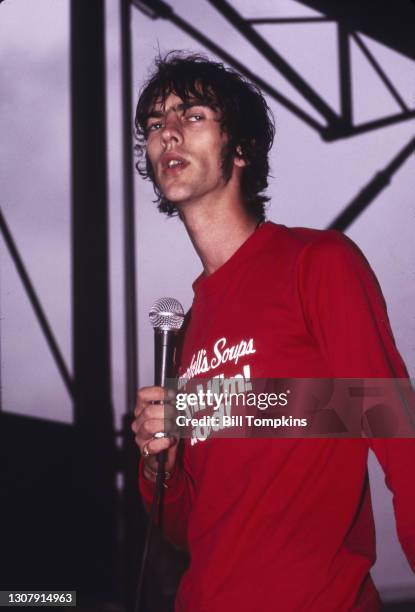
(160,477)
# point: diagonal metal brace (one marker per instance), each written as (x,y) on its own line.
(245,28)
(38,310)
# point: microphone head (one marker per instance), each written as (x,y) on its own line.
(166,314)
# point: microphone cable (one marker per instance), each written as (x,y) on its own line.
(156,503)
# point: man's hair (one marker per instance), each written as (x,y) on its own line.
(243,115)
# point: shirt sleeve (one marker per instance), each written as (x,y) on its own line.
(345,310)
(177,501)
(346,313)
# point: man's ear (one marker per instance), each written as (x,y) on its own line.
(239,159)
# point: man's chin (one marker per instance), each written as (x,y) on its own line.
(177,199)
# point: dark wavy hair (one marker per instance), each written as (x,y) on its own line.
(244,116)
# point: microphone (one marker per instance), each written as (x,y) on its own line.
(166,317)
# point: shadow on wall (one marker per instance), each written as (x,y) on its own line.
(404,606)
(46,530)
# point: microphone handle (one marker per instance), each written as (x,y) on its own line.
(164,347)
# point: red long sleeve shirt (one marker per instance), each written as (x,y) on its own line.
(286,524)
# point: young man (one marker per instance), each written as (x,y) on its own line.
(270,524)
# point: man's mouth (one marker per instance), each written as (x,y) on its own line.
(173,164)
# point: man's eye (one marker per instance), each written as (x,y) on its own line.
(195,117)
(153,127)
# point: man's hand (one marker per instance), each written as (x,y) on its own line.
(154,413)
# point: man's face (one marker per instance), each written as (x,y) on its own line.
(185,148)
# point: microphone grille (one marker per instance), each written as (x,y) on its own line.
(166,314)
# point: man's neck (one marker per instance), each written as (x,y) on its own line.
(217,230)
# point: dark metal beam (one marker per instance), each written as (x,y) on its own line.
(390,23)
(90,266)
(133,514)
(130,291)
(287,20)
(369,126)
(379,71)
(371,191)
(95,452)
(345,74)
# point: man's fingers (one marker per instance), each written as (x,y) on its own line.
(156,445)
(155,425)
(149,393)
(158,411)
(148,396)
(145,396)
(155,411)
(148,428)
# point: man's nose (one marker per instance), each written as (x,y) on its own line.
(172,130)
